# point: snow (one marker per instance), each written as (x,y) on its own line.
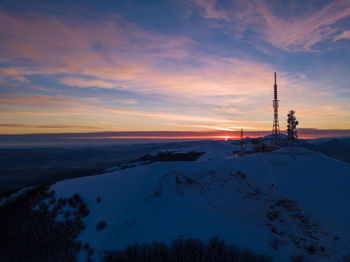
(219,195)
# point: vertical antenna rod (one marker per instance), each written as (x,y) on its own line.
(276,126)
(275,88)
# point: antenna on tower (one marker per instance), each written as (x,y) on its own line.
(276,126)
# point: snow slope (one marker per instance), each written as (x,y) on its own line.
(287,202)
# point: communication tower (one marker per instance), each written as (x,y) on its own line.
(276,126)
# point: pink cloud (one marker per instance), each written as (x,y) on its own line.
(343,35)
(209,11)
(298,32)
(301,33)
(129,57)
(79,82)
(21,79)
(56,46)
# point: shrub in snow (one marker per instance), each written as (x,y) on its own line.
(184,250)
(157,192)
(274,243)
(52,201)
(83,210)
(67,214)
(297,258)
(101,225)
(29,234)
(71,202)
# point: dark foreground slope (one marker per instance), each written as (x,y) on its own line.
(31,231)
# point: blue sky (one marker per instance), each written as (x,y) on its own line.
(201,65)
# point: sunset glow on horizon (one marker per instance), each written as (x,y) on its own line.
(198,65)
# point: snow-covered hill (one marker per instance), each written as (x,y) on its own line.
(288,202)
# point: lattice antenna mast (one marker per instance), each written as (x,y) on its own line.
(291,128)
(276,126)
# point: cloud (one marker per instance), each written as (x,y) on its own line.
(207,7)
(129,101)
(43,44)
(49,126)
(115,53)
(301,33)
(35,100)
(108,55)
(79,82)
(324,111)
(21,79)
(298,31)
(69,108)
(343,35)
(34,104)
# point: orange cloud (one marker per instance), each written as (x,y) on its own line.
(55,107)
(34,104)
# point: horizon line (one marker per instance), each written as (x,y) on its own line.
(160,134)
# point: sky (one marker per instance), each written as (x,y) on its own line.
(185,65)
